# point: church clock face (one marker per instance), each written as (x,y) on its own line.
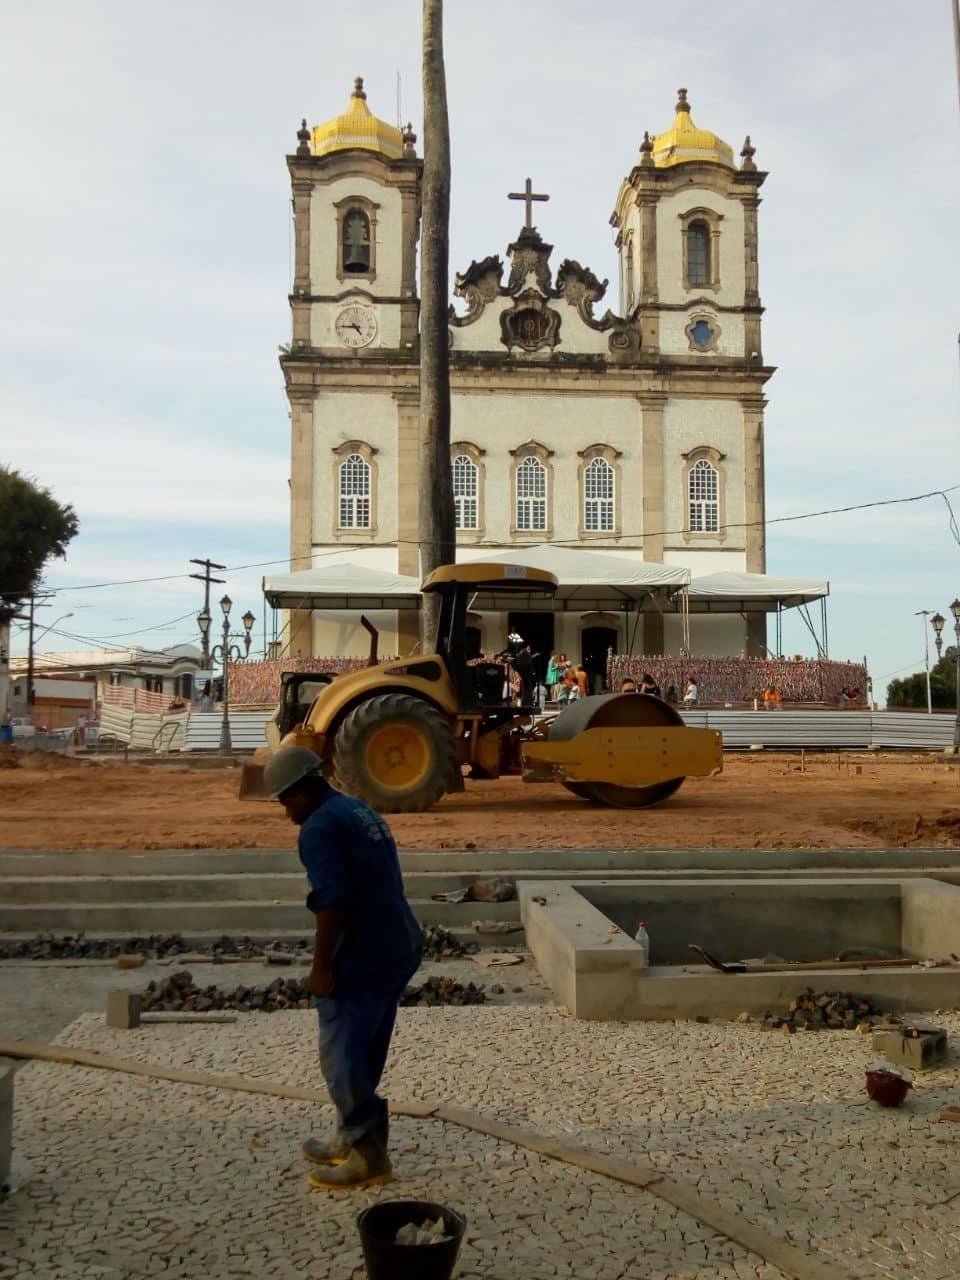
(356,326)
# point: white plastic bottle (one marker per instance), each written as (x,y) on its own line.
(643,938)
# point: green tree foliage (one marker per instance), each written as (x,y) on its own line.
(911,691)
(33,527)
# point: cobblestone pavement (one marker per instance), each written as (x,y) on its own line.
(140,1178)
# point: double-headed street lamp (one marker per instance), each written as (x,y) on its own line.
(938,622)
(225,652)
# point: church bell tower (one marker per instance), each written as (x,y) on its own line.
(686,220)
(356,201)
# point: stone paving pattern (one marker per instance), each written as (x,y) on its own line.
(143,1178)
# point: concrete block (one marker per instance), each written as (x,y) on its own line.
(917,1048)
(123,1009)
(6,1124)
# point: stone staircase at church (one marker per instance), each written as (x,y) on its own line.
(260,892)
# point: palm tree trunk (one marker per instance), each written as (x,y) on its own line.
(437,533)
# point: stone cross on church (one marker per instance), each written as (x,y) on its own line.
(527,195)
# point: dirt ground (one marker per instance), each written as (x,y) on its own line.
(759,801)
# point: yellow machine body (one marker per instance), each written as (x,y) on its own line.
(624,757)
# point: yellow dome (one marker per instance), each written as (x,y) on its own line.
(357,127)
(685,142)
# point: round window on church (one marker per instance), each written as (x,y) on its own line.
(703,334)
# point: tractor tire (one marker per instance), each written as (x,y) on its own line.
(395,752)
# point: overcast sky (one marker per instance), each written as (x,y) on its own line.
(145,260)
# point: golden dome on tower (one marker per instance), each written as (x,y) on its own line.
(685,142)
(357,127)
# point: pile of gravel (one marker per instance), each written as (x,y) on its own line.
(179,993)
(437,991)
(48,946)
(444,945)
(825,1011)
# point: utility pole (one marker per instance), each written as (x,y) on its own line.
(31,691)
(955,10)
(437,532)
(206,579)
(925,614)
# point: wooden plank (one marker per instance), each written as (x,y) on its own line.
(68,1055)
(556,1148)
(789,1259)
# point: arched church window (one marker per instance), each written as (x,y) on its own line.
(598,482)
(703,492)
(356,242)
(698,254)
(531,495)
(354,492)
(466,492)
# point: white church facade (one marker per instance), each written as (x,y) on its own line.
(636,432)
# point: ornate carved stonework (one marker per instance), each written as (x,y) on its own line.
(531,324)
(579,287)
(529,254)
(479,284)
(624,341)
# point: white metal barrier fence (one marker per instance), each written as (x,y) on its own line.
(857,730)
(851,730)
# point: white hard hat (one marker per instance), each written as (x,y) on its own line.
(288,767)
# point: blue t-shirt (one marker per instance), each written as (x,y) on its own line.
(351,862)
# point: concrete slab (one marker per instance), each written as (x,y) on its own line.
(581,935)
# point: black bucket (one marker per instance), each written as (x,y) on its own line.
(387,1260)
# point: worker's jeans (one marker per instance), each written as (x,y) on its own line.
(354,1039)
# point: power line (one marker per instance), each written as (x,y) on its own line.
(663,533)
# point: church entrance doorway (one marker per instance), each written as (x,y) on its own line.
(594,643)
(537,632)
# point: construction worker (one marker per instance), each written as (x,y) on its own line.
(368,946)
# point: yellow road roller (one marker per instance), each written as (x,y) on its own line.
(398,734)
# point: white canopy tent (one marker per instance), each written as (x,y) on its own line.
(752,593)
(342,586)
(589,580)
(747,593)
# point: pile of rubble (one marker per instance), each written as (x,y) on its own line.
(48,946)
(444,945)
(825,1011)
(437,991)
(179,993)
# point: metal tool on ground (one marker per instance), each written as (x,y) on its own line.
(743,966)
(399,734)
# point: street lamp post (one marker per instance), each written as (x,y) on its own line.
(955,610)
(938,622)
(925,614)
(225,652)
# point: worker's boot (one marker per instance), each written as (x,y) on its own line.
(366,1164)
(326,1150)
(336,1149)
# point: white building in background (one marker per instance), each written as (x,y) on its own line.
(637,432)
(170,671)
